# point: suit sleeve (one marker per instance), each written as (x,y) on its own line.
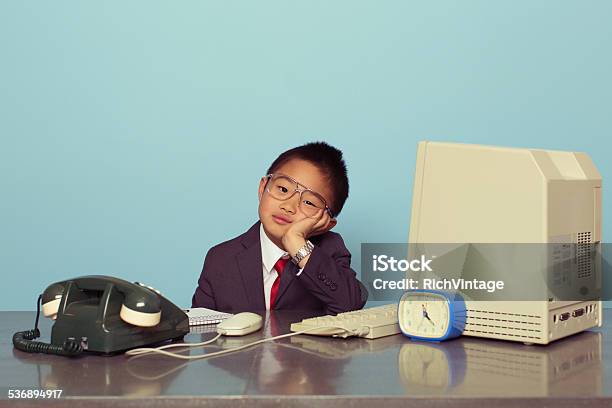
(204,295)
(328,276)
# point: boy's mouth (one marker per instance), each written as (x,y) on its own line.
(281,220)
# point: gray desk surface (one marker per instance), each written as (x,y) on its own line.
(308,370)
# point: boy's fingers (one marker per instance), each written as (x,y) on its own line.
(322,223)
(316,221)
(317,218)
(320,216)
(328,220)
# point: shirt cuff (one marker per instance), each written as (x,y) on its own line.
(298,272)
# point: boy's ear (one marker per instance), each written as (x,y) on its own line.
(262,185)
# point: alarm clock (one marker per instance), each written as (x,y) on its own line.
(431,315)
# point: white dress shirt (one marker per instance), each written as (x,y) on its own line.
(270,253)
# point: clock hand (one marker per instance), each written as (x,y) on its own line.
(425,315)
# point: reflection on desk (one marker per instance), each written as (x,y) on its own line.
(300,365)
(474,366)
(101,375)
(392,367)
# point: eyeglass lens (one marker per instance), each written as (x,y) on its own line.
(282,188)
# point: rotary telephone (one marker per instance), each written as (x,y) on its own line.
(103,314)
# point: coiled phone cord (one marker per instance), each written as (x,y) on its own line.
(23,341)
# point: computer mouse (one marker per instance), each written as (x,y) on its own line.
(240,324)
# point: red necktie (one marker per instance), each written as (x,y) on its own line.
(279,266)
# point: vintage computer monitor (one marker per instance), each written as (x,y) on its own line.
(473,194)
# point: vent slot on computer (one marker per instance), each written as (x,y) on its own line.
(518,326)
(584,247)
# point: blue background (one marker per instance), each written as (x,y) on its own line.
(133,134)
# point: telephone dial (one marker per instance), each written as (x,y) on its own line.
(103,314)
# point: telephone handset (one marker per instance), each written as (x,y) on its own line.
(103,314)
(140,306)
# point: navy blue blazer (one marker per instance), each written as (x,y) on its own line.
(232,278)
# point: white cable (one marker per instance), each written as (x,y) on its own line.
(138,351)
(159,350)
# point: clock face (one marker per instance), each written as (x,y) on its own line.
(424,315)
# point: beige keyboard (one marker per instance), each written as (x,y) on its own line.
(369,323)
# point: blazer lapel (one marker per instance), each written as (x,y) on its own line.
(249,264)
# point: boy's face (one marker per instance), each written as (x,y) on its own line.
(278,215)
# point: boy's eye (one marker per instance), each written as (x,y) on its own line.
(283,189)
(309,203)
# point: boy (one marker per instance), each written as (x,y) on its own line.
(289,259)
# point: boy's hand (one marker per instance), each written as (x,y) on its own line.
(297,234)
(309,227)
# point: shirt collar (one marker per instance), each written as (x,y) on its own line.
(270,253)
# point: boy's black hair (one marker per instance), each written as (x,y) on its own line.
(329,160)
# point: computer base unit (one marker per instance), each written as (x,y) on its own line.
(531,322)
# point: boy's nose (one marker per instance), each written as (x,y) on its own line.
(291,204)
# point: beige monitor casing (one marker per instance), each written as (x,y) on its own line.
(483,194)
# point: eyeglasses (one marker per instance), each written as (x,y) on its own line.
(284,187)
